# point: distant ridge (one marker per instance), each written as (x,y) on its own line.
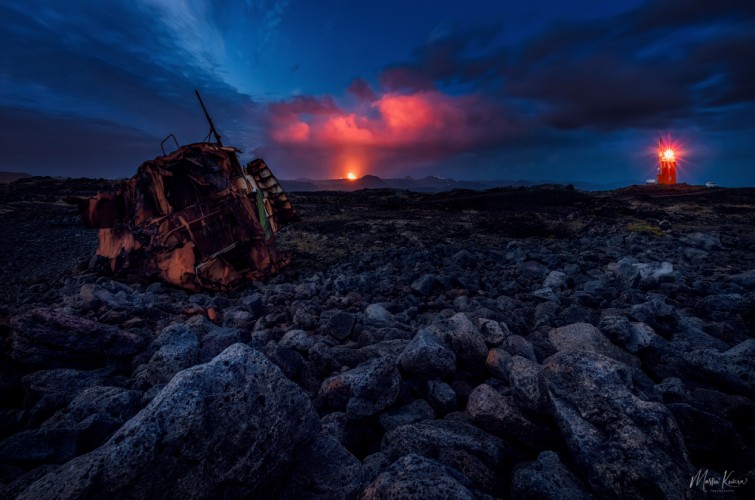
(429,184)
(6,177)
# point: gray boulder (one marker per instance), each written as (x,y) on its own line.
(176,348)
(325,470)
(416,411)
(219,339)
(497,414)
(420,478)
(237,317)
(656,313)
(616,327)
(424,285)
(704,241)
(745,279)
(517,345)
(547,478)
(47,391)
(362,391)
(524,376)
(476,454)
(465,339)
(441,396)
(547,294)
(624,441)
(337,324)
(498,363)
(375,314)
(585,337)
(228,428)
(93,296)
(298,340)
(427,356)
(734,369)
(556,280)
(50,338)
(493,332)
(35,447)
(373,465)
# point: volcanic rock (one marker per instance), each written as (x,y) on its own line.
(469,450)
(499,415)
(621,438)
(176,348)
(159,449)
(325,470)
(418,477)
(464,338)
(49,338)
(584,336)
(547,477)
(416,411)
(733,369)
(427,356)
(364,390)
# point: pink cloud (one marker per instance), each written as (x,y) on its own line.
(384,131)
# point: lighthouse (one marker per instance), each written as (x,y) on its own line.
(666,163)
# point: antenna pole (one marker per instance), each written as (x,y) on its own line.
(209,120)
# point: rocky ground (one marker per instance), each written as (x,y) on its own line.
(523,343)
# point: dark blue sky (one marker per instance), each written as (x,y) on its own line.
(540,90)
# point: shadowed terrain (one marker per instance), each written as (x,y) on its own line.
(516,342)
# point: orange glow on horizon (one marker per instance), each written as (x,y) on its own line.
(351,176)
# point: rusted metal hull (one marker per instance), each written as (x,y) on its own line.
(191,218)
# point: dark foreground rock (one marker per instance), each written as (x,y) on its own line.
(625,441)
(418,477)
(230,427)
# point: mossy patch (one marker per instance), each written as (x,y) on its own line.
(645,229)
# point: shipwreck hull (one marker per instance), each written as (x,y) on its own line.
(193,218)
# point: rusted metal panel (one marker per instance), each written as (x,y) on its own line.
(192,219)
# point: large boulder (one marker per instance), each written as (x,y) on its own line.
(47,391)
(50,338)
(547,477)
(417,477)
(476,454)
(325,470)
(584,336)
(427,356)
(416,411)
(362,391)
(499,415)
(624,441)
(524,378)
(83,425)
(733,369)
(656,313)
(228,428)
(176,348)
(465,339)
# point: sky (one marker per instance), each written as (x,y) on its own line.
(542,90)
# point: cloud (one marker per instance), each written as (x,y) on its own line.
(393,126)
(653,67)
(137,75)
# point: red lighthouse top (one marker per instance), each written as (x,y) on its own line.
(666,163)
